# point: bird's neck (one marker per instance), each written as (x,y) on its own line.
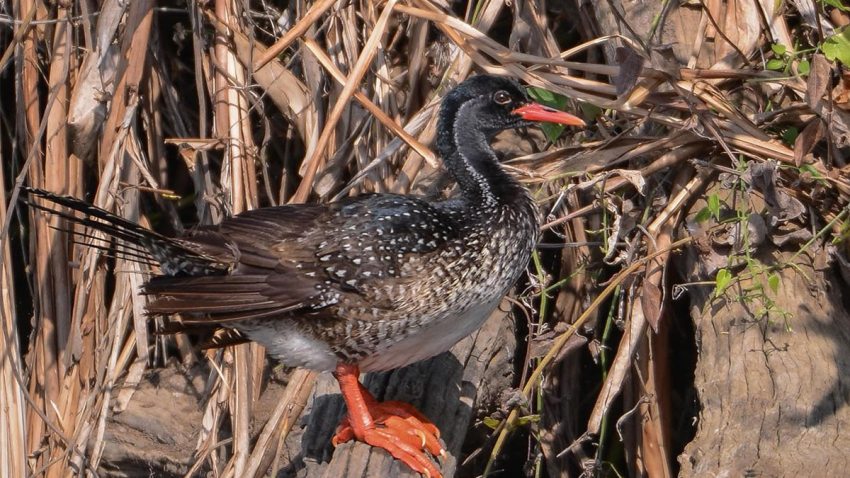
(471,161)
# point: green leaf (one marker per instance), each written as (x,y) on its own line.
(803,68)
(714,206)
(703,215)
(552,131)
(778,49)
(553,100)
(773,282)
(837,47)
(527,420)
(789,136)
(722,281)
(491,423)
(839,4)
(775,64)
(808,168)
(545,96)
(589,111)
(548,98)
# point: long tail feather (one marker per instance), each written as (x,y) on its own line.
(105,244)
(175,257)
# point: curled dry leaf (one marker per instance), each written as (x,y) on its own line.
(841,93)
(741,27)
(631,67)
(633,176)
(811,18)
(541,343)
(818,81)
(762,177)
(197,144)
(286,90)
(651,303)
(797,235)
(614,234)
(806,141)
(756,230)
(96,82)
(188,147)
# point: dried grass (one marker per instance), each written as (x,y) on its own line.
(97,99)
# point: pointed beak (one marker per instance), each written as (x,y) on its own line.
(538,112)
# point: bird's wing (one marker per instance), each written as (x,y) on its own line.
(253,240)
(304,259)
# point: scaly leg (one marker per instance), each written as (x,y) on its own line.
(396,427)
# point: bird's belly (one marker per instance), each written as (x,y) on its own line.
(432,340)
(290,345)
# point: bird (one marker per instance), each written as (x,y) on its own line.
(368,283)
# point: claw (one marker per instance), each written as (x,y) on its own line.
(421,436)
(396,427)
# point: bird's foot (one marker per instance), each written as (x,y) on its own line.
(402,417)
(397,427)
(402,435)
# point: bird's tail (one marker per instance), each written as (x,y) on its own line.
(175,257)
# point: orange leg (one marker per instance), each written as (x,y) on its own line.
(396,427)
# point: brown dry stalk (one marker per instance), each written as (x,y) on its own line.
(379,114)
(294,33)
(315,162)
(285,415)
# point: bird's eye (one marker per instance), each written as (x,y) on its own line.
(502,97)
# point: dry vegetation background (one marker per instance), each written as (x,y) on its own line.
(700,221)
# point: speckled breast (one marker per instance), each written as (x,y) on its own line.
(465,282)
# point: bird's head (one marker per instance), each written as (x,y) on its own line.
(492,104)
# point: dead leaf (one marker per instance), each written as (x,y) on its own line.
(87,109)
(798,235)
(633,176)
(839,18)
(841,93)
(818,81)
(631,67)
(806,141)
(614,235)
(811,17)
(541,343)
(663,58)
(757,230)
(742,28)
(651,303)
(762,177)
(188,147)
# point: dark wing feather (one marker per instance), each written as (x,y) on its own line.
(260,283)
(304,259)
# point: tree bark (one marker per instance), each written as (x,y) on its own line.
(773,390)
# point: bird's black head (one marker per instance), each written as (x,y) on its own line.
(490,104)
